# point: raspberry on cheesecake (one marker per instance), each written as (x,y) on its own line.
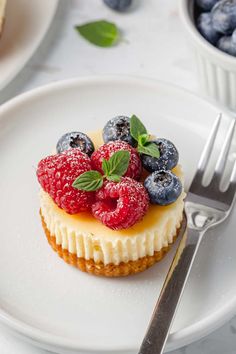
(121,205)
(56,174)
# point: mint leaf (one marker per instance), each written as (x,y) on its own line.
(150,149)
(105,167)
(114,178)
(119,162)
(88,181)
(113,169)
(143,139)
(136,127)
(101,33)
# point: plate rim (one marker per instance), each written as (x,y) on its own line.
(176,339)
(35,45)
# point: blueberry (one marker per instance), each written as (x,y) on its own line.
(224,16)
(75,140)
(227,45)
(206,5)
(119,5)
(205,27)
(168,159)
(118,128)
(163,187)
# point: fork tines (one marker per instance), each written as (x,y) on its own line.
(213,188)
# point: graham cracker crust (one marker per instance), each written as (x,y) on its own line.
(107,270)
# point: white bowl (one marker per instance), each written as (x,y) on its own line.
(216,69)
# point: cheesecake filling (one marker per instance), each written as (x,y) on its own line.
(83,235)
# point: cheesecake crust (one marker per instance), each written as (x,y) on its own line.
(108,270)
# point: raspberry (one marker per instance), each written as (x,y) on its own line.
(107,150)
(121,205)
(56,174)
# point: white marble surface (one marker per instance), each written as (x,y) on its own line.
(154,45)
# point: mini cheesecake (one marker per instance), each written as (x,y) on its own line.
(2,14)
(83,241)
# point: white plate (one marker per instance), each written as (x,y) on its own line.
(26,24)
(57,306)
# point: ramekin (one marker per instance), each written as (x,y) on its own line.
(216,69)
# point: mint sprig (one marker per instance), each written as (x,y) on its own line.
(150,149)
(118,163)
(89,181)
(140,134)
(101,33)
(113,169)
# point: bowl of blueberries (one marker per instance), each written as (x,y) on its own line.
(211,26)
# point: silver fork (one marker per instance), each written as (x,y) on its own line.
(205,207)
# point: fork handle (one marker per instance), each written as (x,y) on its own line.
(165,309)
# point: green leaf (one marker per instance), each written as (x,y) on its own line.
(101,33)
(89,181)
(105,167)
(150,149)
(119,163)
(143,139)
(114,178)
(136,127)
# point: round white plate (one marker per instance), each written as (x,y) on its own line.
(57,306)
(26,24)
